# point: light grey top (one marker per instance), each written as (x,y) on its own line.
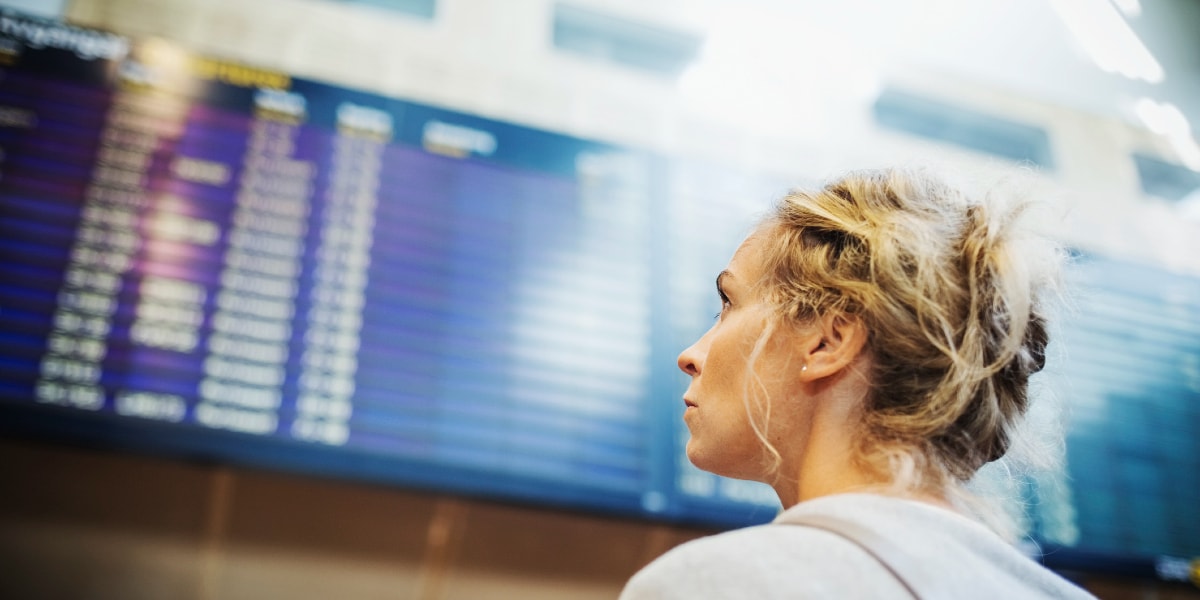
(781,560)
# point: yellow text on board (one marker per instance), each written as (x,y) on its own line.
(240,75)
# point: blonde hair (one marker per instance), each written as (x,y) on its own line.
(952,291)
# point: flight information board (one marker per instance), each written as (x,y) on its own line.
(207,259)
(219,248)
(1131,378)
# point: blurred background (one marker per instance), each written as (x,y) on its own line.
(381,299)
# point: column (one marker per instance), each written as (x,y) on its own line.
(326,384)
(245,364)
(105,245)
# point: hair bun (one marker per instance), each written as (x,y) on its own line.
(949,286)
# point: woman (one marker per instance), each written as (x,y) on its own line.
(873,351)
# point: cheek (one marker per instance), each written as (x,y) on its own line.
(771,382)
(735,346)
(776,398)
(727,365)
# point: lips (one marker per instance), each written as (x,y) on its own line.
(689,403)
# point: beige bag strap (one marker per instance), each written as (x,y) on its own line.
(920,582)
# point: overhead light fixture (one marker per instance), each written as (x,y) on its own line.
(1108,39)
(1167,120)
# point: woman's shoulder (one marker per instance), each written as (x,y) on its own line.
(759,562)
(754,547)
(789,559)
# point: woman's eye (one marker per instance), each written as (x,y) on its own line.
(725,305)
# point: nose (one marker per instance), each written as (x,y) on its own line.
(690,359)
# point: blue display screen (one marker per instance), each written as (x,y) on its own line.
(207,259)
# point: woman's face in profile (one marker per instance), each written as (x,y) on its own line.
(722,437)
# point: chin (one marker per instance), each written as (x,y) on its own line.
(692,453)
(699,458)
(718,463)
(715,465)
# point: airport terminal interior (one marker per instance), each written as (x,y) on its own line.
(383,298)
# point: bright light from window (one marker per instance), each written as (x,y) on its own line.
(774,78)
(1108,39)
(1189,208)
(1167,120)
(1131,8)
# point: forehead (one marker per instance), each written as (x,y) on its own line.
(746,265)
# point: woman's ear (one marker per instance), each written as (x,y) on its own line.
(834,342)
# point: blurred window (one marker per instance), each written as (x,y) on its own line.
(1164,179)
(43,8)
(423,9)
(652,48)
(965,127)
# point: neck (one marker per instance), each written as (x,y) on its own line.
(819,458)
(824,468)
(819,443)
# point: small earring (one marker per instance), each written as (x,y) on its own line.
(803,367)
